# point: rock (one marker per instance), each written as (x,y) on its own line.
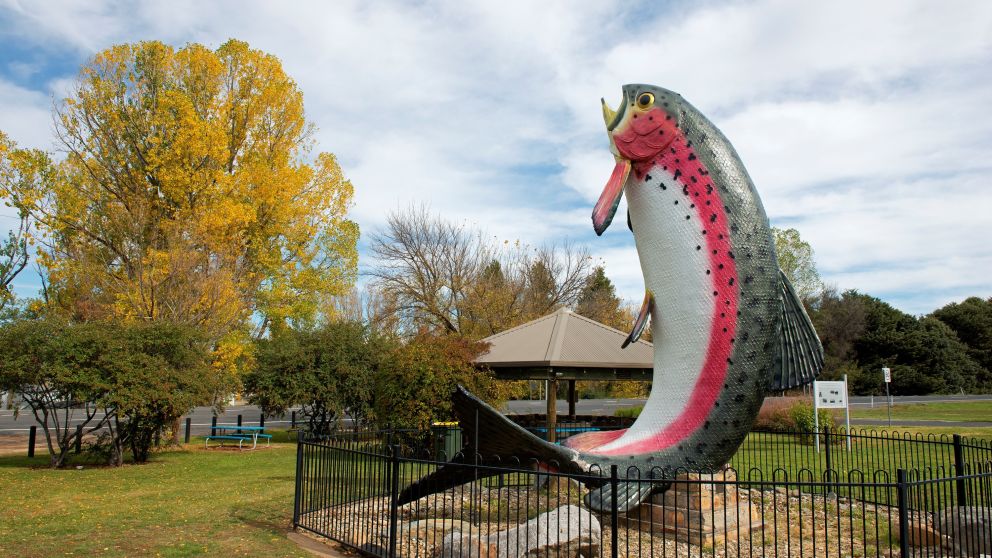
(968,528)
(568,531)
(434,530)
(920,534)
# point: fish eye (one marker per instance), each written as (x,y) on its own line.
(645,100)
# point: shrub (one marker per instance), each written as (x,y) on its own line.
(791,415)
(628,412)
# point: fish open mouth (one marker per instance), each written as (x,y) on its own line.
(609,200)
(613,117)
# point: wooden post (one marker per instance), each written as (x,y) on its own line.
(552,408)
(572,398)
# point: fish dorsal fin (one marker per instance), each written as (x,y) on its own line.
(800,357)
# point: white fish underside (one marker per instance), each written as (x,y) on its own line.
(675,272)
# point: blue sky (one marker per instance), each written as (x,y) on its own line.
(865,125)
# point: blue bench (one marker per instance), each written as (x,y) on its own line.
(240,433)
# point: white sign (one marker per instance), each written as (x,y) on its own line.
(888,375)
(830,395)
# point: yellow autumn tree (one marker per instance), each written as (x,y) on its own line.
(190,193)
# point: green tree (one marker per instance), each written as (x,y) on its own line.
(795,259)
(415,386)
(599,301)
(328,371)
(971,320)
(925,355)
(839,322)
(131,380)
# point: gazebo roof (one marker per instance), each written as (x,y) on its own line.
(569,346)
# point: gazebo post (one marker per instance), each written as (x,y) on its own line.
(552,407)
(571,400)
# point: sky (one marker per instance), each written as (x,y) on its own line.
(864,125)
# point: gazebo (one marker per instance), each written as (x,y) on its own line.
(566,346)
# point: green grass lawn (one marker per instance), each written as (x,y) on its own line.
(963,411)
(192,502)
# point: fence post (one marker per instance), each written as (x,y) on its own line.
(394,493)
(213,425)
(239,420)
(292,420)
(261,419)
(79,439)
(189,426)
(959,471)
(902,489)
(299,479)
(32,438)
(614,513)
(829,459)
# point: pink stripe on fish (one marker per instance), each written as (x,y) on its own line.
(680,161)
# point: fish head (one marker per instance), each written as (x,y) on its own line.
(645,123)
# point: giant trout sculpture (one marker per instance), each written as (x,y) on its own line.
(727,325)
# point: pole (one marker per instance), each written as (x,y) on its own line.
(816,419)
(32,438)
(572,398)
(394,491)
(292,420)
(189,426)
(552,393)
(614,513)
(888,403)
(903,501)
(847,413)
(962,494)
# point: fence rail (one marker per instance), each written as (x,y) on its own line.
(890,495)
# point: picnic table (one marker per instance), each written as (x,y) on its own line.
(233,432)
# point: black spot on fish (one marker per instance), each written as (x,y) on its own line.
(698,247)
(748,279)
(668,117)
(647,177)
(720,236)
(685,189)
(731,282)
(704,231)
(707,272)
(672,150)
(730,361)
(663,187)
(687,217)
(703,172)
(692,156)
(739,398)
(707,202)
(692,205)
(731,254)
(676,202)
(715,293)
(664,167)
(693,178)
(725,330)
(721,265)
(713,218)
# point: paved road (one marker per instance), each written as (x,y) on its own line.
(608,406)
(201,415)
(200,424)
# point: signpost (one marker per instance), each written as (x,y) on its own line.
(887,374)
(831,395)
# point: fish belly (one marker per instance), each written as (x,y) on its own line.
(674,261)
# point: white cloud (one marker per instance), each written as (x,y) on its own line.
(863,124)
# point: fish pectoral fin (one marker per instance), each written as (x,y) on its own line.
(800,354)
(628,496)
(642,319)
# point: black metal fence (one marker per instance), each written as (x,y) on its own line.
(867,494)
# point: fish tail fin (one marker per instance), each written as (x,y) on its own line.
(491,440)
